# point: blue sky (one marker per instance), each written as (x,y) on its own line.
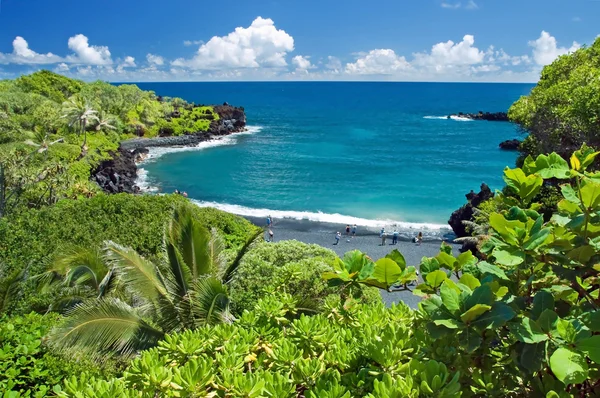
(422,40)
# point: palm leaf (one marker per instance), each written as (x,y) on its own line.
(107,284)
(10,288)
(192,240)
(80,265)
(228,274)
(179,271)
(210,302)
(100,327)
(216,246)
(138,275)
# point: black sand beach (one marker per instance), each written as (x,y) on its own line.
(367,241)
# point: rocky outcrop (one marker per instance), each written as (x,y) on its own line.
(181,140)
(119,173)
(231,120)
(465,213)
(510,145)
(489,116)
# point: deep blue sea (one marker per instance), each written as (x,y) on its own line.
(342,152)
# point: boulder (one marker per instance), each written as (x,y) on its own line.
(510,145)
(119,173)
(465,213)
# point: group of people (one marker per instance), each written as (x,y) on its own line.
(178,192)
(349,230)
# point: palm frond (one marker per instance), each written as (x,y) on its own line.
(210,302)
(107,284)
(216,246)
(100,327)
(181,275)
(192,241)
(137,274)
(228,274)
(72,257)
(10,288)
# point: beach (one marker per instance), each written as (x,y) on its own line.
(367,240)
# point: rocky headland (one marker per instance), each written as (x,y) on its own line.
(119,173)
(488,116)
(465,213)
(510,145)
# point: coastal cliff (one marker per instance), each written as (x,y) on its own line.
(119,173)
(488,116)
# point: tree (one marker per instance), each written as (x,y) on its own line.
(42,142)
(79,113)
(186,290)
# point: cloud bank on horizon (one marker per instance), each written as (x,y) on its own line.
(262,51)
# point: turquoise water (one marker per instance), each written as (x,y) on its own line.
(338,151)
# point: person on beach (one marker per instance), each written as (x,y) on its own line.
(271,235)
(395,237)
(419,238)
(338,235)
(348,230)
(184,194)
(354,230)
(269,221)
(382,236)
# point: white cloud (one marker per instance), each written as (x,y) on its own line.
(62,67)
(188,43)
(261,44)
(451,54)
(86,54)
(546,50)
(155,59)
(485,68)
(450,5)
(333,63)
(129,62)
(22,54)
(302,62)
(378,62)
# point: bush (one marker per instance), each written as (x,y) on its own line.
(33,238)
(290,266)
(26,366)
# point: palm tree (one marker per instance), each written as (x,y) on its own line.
(185,291)
(41,141)
(79,113)
(105,120)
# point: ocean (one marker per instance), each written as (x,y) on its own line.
(367,153)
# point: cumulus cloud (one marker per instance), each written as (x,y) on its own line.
(378,62)
(333,63)
(450,5)
(129,62)
(260,44)
(62,67)
(155,59)
(301,62)
(546,50)
(188,43)
(22,54)
(470,5)
(447,54)
(86,54)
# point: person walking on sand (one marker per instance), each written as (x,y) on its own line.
(338,235)
(419,238)
(271,235)
(382,236)
(347,231)
(354,230)
(395,237)
(269,221)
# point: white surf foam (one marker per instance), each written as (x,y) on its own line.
(142,181)
(453,117)
(319,216)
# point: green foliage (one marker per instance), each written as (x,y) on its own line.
(348,351)
(36,237)
(26,365)
(51,85)
(291,267)
(563,110)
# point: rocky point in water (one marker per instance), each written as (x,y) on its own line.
(489,116)
(465,213)
(119,173)
(510,145)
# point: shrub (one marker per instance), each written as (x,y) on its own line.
(289,266)
(27,367)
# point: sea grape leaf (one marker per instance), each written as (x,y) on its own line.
(551,166)
(436,278)
(431,304)
(474,312)
(505,228)
(548,321)
(591,347)
(470,281)
(487,268)
(481,295)
(496,317)
(449,297)
(508,257)
(385,274)
(446,260)
(397,257)
(542,301)
(429,265)
(469,339)
(465,259)
(449,323)
(592,320)
(537,239)
(570,195)
(590,195)
(569,366)
(582,254)
(528,331)
(525,186)
(532,356)
(354,261)
(367,271)
(567,330)
(423,290)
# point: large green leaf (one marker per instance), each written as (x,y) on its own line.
(591,347)
(469,339)
(385,274)
(481,295)
(508,257)
(465,259)
(505,228)
(548,321)
(567,330)
(570,196)
(542,301)
(354,261)
(470,281)
(210,302)
(398,258)
(590,195)
(450,323)
(551,166)
(529,331)
(436,278)
(592,320)
(496,317)
(492,269)
(537,239)
(450,297)
(569,366)
(446,260)
(474,312)
(532,356)
(525,186)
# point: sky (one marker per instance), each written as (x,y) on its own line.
(278,40)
